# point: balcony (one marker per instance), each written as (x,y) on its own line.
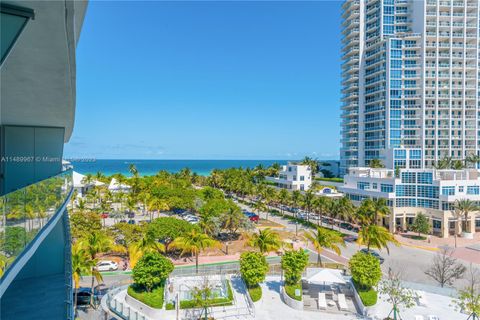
(27,212)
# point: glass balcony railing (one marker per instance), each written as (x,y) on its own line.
(24,212)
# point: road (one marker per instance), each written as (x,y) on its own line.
(409,262)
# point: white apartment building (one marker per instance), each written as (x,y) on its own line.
(410,191)
(293,177)
(409,82)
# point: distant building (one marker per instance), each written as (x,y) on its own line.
(410,191)
(293,177)
(81,184)
(328,168)
(115,186)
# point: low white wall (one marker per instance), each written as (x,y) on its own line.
(292,303)
(363,310)
(143,308)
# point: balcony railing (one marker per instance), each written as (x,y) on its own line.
(25,212)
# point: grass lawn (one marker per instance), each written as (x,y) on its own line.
(290,290)
(330,179)
(152,299)
(255,293)
(368,296)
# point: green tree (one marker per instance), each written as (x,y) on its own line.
(194,243)
(84,222)
(151,270)
(465,207)
(14,241)
(376,163)
(325,238)
(294,263)
(374,236)
(253,267)
(82,264)
(265,241)
(469,297)
(166,229)
(365,269)
(421,224)
(284,198)
(397,295)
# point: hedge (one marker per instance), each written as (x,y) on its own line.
(152,299)
(290,290)
(369,296)
(330,179)
(255,293)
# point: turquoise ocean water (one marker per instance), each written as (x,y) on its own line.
(151,167)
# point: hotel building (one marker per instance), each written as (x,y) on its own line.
(410,82)
(293,177)
(37,108)
(410,98)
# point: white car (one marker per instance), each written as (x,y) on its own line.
(107,265)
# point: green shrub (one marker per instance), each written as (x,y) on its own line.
(330,179)
(255,293)
(253,267)
(369,296)
(169,306)
(290,290)
(152,299)
(365,270)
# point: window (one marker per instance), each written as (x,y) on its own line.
(460,189)
(388,10)
(473,190)
(374,186)
(386,188)
(427,192)
(448,191)
(415,154)
(437,224)
(405,191)
(396,84)
(400,154)
(363,185)
(397,64)
(424,177)
(408,177)
(302,178)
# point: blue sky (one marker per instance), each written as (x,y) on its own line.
(208,80)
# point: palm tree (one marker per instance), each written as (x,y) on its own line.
(464,207)
(325,238)
(94,243)
(296,199)
(260,206)
(374,236)
(82,264)
(158,205)
(194,242)
(284,198)
(322,205)
(312,163)
(147,243)
(308,202)
(380,209)
(444,163)
(265,241)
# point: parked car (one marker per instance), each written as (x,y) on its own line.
(131,221)
(254,218)
(123,221)
(107,265)
(131,215)
(346,225)
(104,215)
(373,253)
(83,296)
(350,238)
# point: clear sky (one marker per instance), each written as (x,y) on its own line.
(208,80)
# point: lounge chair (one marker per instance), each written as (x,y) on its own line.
(417,317)
(342,303)
(322,301)
(433,317)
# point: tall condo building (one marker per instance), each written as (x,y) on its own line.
(409,82)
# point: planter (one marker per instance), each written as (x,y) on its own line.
(467,235)
(292,303)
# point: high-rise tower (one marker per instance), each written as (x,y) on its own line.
(410,82)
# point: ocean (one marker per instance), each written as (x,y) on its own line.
(151,167)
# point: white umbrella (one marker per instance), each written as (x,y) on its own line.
(327,276)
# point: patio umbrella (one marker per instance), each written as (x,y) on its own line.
(327,276)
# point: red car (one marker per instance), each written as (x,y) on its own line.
(104,215)
(254,218)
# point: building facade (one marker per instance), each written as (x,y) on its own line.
(409,82)
(37,93)
(293,177)
(410,191)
